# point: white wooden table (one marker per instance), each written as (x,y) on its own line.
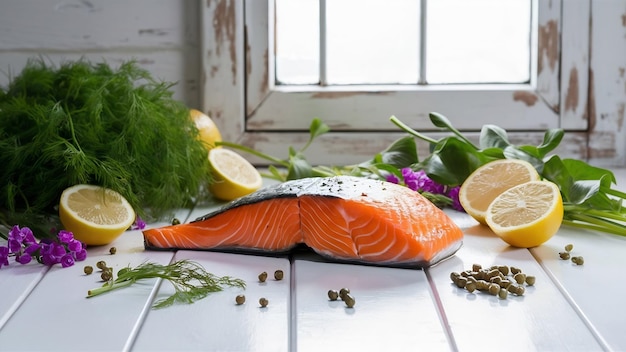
(569,308)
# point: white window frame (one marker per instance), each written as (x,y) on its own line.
(238,91)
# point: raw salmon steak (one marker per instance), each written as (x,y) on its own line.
(342,218)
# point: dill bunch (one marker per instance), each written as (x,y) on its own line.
(89,123)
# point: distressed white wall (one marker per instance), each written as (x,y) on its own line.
(165,36)
(162,35)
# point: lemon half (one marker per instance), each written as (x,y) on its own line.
(95,215)
(233,175)
(488,181)
(526,215)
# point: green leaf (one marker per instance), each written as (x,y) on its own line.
(551,139)
(317,128)
(452,161)
(492,136)
(299,167)
(401,153)
(581,191)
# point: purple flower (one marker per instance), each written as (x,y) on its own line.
(392,178)
(453,193)
(31,249)
(23,258)
(80,255)
(48,259)
(16,234)
(14,245)
(65,236)
(4,256)
(74,245)
(139,224)
(58,250)
(67,260)
(29,237)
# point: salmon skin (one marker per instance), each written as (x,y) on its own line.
(342,218)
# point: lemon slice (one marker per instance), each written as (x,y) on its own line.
(488,181)
(208,132)
(526,215)
(233,175)
(95,215)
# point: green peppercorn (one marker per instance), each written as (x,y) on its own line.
(503,293)
(470,287)
(88,269)
(494,289)
(578,260)
(519,278)
(101,264)
(240,299)
(476,267)
(263,276)
(564,255)
(112,250)
(333,295)
(106,275)
(278,274)
(515,270)
(461,282)
(349,300)
(263,302)
(530,280)
(504,269)
(454,275)
(343,292)
(175,221)
(569,247)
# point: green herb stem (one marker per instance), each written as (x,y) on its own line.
(411,131)
(254,152)
(190,280)
(599,223)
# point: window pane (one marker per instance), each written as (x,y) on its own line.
(478,41)
(372,41)
(297,41)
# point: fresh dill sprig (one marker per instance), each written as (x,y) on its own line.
(84,122)
(190,280)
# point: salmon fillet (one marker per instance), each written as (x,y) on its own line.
(343,218)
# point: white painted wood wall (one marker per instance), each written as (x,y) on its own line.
(168,38)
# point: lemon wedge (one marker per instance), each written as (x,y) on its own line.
(233,175)
(488,181)
(95,215)
(526,215)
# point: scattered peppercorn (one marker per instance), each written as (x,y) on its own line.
(343,292)
(278,274)
(349,300)
(333,295)
(578,260)
(106,275)
(101,265)
(564,255)
(263,276)
(88,269)
(175,221)
(263,302)
(240,299)
(112,250)
(569,247)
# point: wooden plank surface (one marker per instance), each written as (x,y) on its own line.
(216,323)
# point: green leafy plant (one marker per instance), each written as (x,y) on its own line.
(90,123)
(588,197)
(190,280)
